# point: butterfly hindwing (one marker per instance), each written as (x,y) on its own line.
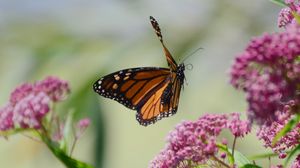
(162,103)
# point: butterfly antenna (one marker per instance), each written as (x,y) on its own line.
(200,48)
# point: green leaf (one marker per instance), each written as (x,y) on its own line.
(279,2)
(240,159)
(62,156)
(250,166)
(294,152)
(287,128)
(68,131)
(263,156)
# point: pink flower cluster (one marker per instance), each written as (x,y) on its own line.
(268,132)
(296,163)
(29,103)
(269,72)
(193,143)
(286,14)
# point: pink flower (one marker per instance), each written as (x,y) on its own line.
(289,1)
(83,123)
(165,159)
(195,142)
(267,133)
(224,141)
(267,71)
(223,155)
(20,92)
(29,112)
(82,126)
(296,163)
(286,16)
(237,126)
(29,103)
(55,88)
(282,155)
(6,114)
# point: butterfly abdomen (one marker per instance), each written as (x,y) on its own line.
(167,95)
(180,73)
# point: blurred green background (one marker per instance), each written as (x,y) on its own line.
(80,41)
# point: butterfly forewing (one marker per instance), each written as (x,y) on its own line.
(129,86)
(171,62)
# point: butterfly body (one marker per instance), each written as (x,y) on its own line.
(152,91)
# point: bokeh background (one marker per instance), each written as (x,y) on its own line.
(80,41)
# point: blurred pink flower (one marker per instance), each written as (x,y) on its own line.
(82,126)
(6,115)
(20,92)
(290,1)
(269,73)
(83,123)
(29,103)
(29,111)
(286,16)
(296,163)
(224,141)
(54,87)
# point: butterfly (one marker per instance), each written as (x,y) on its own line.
(152,91)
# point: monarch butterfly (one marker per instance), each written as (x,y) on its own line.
(152,91)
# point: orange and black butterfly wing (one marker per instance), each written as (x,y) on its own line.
(150,109)
(171,62)
(162,102)
(130,86)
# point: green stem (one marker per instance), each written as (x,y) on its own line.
(220,161)
(233,145)
(73,146)
(32,138)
